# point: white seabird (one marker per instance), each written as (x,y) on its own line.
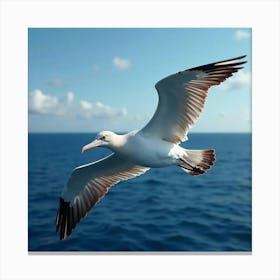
(181,99)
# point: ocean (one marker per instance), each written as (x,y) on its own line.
(164,210)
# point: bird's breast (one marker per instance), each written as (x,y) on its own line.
(147,152)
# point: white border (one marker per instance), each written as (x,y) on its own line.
(262,16)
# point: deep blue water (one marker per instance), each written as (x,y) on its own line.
(163,210)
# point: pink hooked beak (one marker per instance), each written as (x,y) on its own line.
(91,145)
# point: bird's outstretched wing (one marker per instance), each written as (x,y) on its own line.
(182,97)
(87,185)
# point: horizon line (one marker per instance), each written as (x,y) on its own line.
(95,132)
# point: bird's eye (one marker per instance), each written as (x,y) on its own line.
(102,138)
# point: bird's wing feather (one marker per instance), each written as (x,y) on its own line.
(87,185)
(182,97)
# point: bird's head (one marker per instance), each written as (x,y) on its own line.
(103,139)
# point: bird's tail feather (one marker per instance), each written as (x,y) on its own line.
(197,162)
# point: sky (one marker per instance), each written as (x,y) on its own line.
(94,79)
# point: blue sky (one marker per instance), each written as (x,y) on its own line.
(88,80)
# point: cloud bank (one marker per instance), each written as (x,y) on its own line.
(40,103)
(43,104)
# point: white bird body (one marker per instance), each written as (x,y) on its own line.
(148,151)
(181,99)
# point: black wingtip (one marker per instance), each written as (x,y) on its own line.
(221,64)
(235,58)
(63,218)
(232,59)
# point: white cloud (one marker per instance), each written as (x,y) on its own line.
(242,34)
(70,97)
(43,104)
(239,81)
(121,63)
(99,110)
(85,105)
(40,103)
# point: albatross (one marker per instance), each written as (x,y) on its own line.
(181,99)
